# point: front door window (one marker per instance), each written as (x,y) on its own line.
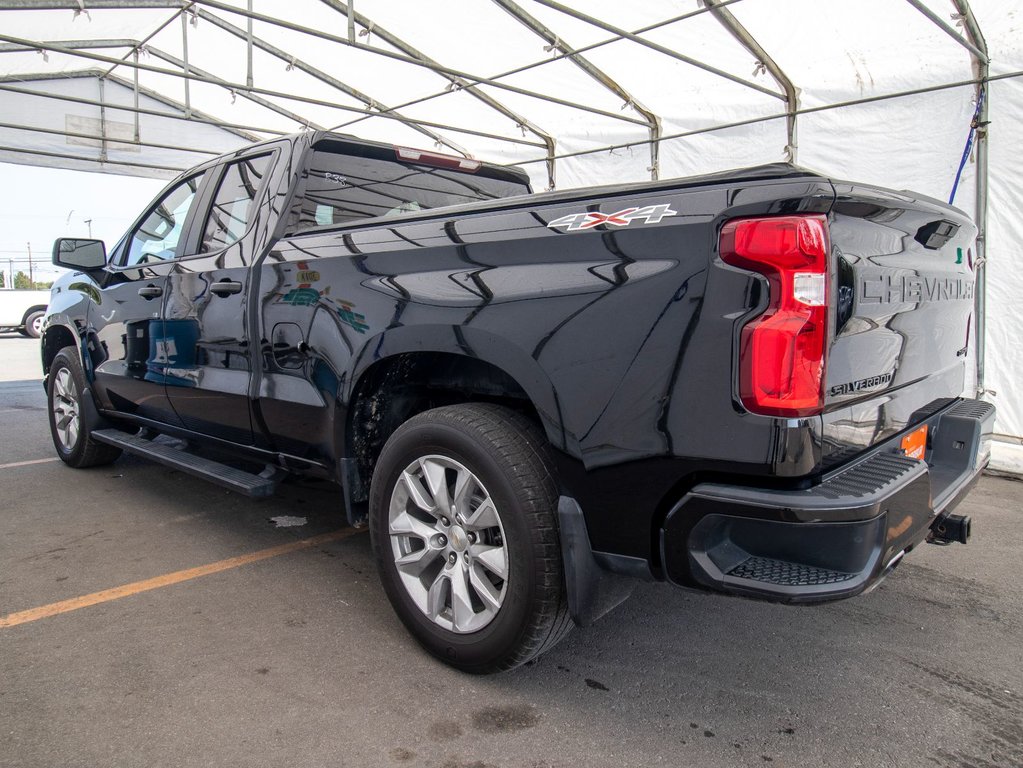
(157,237)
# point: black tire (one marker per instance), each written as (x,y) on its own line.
(31,328)
(61,397)
(509,455)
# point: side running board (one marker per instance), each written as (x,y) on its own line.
(255,486)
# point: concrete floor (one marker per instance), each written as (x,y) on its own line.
(297,660)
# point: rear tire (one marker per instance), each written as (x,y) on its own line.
(463,518)
(34,325)
(71,418)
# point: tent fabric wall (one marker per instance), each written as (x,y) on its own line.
(61,136)
(834,51)
(1004,342)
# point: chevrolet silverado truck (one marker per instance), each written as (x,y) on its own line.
(23,311)
(746,382)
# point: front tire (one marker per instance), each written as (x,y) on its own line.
(70,422)
(463,517)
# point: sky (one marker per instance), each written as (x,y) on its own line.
(38,205)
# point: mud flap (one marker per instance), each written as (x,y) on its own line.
(592,591)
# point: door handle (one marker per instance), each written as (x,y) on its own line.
(150,291)
(226,287)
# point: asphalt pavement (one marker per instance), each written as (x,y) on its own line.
(286,653)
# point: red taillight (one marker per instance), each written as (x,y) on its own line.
(782,352)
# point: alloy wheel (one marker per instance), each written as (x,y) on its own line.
(66,410)
(448,544)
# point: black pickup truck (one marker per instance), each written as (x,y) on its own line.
(747,382)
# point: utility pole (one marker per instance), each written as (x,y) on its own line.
(31,278)
(89,222)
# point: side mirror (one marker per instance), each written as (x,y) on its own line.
(82,255)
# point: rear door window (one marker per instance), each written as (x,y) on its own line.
(234,204)
(341,188)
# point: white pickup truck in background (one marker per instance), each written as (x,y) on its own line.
(23,310)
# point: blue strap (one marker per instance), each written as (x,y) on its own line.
(969,143)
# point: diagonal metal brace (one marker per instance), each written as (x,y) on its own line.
(323,77)
(137,45)
(555,43)
(456,83)
(747,41)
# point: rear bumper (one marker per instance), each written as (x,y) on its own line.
(835,539)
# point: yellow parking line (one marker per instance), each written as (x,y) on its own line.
(27,463)
(45,611)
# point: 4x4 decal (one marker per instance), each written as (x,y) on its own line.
(651,214)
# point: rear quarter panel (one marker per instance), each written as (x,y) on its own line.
(622,336)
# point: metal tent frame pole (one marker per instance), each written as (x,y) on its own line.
(783,115)
(188,11)
(974,42)
(663,49)
(557,57)
(606,81)
(747,41)
(304,122)
(318,74)
(978,52)
(460,83)
(983,72)
(476,79)
(240,88)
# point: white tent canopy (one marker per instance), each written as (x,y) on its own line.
(880,91)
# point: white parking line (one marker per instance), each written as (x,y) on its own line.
(27,463)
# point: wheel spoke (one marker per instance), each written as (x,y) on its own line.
(485,516)
(465,483)
(415,491)
(462,613)
(487,592)
(417,561)
(436,480)
(493,559)
(409,525)
(437,597)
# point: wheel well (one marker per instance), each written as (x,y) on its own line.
(56,338)
(30,311)
(394,390)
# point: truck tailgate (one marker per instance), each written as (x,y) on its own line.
(904,290)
